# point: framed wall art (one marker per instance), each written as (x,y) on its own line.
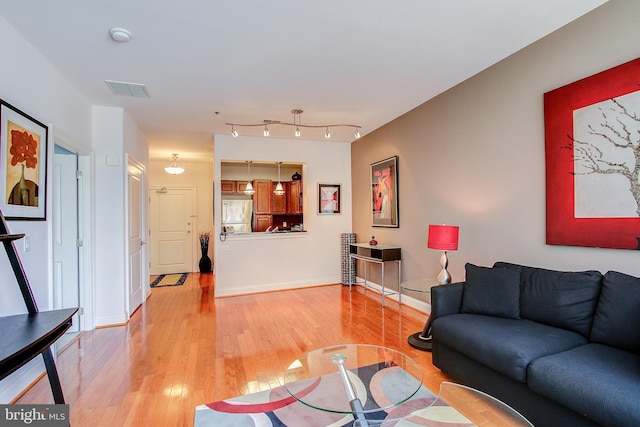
(592,151)
(328,199)
(384,193)
(23,165)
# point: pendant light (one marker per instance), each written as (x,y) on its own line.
(279,191)
(173,168)
(249,188)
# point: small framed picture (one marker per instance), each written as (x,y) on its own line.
(23,165)
(328,199)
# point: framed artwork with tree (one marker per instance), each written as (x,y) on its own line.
(592,150)
(23,165)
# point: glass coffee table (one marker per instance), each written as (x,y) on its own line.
(350,370)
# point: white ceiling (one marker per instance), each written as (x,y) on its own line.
(362,62)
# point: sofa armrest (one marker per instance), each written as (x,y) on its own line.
(446,299)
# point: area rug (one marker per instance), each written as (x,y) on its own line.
(169,280)
(277,408)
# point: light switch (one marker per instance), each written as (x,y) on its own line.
(113,160)
(27,243)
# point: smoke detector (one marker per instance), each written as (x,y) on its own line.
(120,35)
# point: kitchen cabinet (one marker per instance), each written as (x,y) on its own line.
(279,201)
(294,199)
(241,186)
(228,187)
(261,223)
(262,196)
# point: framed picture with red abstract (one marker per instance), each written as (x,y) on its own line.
(592,150)
(23,165)
(384,193)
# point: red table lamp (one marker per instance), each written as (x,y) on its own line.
(443,238)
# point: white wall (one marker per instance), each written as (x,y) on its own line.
(475,155)
(39,90)
(263,262)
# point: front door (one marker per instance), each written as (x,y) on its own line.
(171,226)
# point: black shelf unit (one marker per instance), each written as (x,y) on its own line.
(25,336)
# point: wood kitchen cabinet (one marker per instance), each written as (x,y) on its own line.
(262,196)
(294,199)
(261,223)
(228,187)
(241,186)
(279,201)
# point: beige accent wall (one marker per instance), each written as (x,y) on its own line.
(474,156)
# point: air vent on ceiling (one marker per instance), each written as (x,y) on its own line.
(136,90)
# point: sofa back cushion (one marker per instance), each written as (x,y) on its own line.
(617,319)
(491,291)
(564,299)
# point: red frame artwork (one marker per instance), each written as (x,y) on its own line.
(561,152)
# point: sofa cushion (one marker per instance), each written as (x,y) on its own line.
(600,382)
(505,345)
(563,299)
(491,291)
(617,319)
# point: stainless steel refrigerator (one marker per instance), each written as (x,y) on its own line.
(236,216)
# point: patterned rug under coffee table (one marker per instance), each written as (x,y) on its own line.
(276,407)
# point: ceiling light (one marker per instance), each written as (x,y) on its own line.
(296,123)
(120,35)
(279,191)
(249,188)
(173,168)
(234,133)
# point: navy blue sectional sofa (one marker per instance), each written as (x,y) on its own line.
(562,348)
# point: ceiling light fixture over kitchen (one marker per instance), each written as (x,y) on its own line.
(173,168)
(249,188)
(279,191)
(296,123)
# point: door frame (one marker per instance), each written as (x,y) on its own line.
(144,270)
(85,252)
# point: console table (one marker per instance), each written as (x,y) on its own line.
(25,336)
(378,254)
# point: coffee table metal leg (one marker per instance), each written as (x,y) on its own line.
(354,402)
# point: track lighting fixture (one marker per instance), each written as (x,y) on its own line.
(296,123)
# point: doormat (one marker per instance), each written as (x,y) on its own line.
(169,280)
(277,408)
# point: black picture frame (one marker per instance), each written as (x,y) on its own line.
(384,193)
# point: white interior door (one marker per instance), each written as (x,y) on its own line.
(66,283)
(135,236)
(171,228)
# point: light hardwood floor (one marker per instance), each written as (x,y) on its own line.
(183,348)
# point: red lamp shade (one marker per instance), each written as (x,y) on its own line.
(443,237)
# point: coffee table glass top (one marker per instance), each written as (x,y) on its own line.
(391,377)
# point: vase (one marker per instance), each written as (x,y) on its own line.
(205,263)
